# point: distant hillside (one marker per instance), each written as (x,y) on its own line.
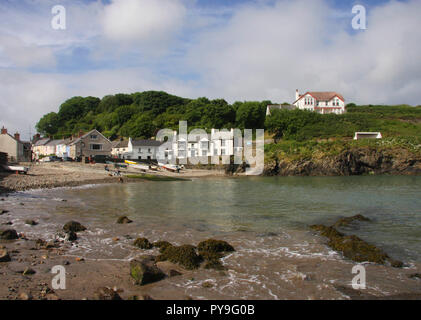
(142,114)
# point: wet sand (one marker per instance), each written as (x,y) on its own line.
(71,174)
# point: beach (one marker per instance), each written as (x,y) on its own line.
(277,255)
(71,174)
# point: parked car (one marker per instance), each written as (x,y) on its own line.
(67,159)
(55,159)
(45,159)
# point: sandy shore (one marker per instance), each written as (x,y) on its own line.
(68,174)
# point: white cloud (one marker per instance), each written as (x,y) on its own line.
(143,22)
(262,50)
(267,51)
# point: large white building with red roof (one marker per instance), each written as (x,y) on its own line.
(321,102)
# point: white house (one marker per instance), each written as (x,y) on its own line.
(218,143)
(321,102)
(136,149)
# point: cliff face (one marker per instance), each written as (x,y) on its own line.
(350,162)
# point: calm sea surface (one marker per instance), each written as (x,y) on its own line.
(265,218)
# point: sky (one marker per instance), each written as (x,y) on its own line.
(232,49)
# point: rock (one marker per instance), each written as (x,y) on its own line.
(31,222)
(4,255)
(71,236)
(52,297)
(184,255)
(174,273)
(8,223)
(106,293)
(123,220)
(207,284)
(161,245)
(142,243)
(354,248)
(145,271)
(396,263)
(78,259)
(415,276)
(215,264)
(212,251)
(214,246)
(28,272)
(25,296)
(3,211)
(115,239)
(344,222)
(8,234)
(73,226)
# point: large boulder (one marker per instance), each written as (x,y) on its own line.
(73,226)
(145,271)
(8,234)
(4,256)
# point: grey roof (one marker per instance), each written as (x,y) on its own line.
(41,142)
(87,134)
(54,143)
(146,143)
(120,144)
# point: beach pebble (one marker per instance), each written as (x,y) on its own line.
(4,255)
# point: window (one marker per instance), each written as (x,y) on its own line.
(140,150)
(223,152)
(149,150)
(181,145)
(204,145)
(94,136)
(204,153)
(222,143)
(96,147)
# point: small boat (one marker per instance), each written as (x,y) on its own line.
(169,167)
(136,165)
(18,169)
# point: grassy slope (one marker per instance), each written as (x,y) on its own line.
(399,125)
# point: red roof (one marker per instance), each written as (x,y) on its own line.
(322,96)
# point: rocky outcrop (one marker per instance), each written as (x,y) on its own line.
(351,162)
(351,246)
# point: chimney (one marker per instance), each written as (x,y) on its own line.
(17,136)
(297,95)
(3,130)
